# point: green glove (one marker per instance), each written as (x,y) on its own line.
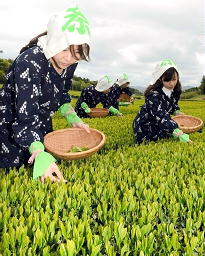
(68,112)
(65,109)
(73,118)
(114,111)
(176,112)
(36,145)
(124,103)
(85,107)
(42,160)
(183,137)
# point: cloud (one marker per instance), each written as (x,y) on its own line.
(127,36)
(200,58)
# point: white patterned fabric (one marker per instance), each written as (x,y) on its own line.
(28,99)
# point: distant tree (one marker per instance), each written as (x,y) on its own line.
(79,83)
(76,85)
(77,78)
(10,61)
(93,82)
(193,89)
(136,91)
(202,85)
(4,66)
(2,77)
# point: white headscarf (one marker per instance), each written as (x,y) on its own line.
(66,28)
(161,68)
(123,79)
(103,84)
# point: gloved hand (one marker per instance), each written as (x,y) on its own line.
(114,111)
(68,112)
(183,137)
(42,159)
(85,107)
(177,112)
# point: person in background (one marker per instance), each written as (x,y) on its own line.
(93,95)
(121,86)
(153,122)
(36,86)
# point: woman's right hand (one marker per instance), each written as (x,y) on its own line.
(49,173)
(81,125)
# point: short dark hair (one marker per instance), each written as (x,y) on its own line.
(167,76)
(84,51)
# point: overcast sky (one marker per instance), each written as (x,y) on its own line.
(128,36)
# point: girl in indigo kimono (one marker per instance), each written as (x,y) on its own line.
(153,122)
(36,86)
(119,87)
(93,95)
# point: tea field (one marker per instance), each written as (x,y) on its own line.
(124,200)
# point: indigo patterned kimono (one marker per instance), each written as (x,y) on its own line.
(32,93)
(114,94)
(153,121)
(92,97)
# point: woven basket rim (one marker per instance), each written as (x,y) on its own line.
(98,112)
(67,154)
(194,117)
(189,129)
(124,96)
(101,109)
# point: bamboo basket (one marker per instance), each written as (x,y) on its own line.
(188,124)
(60,141)
(124,97)
(98,112)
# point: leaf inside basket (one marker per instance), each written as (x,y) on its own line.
(75,149)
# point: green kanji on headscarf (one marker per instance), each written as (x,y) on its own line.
(75,16)
(167,62)
(108,79)
(125,76)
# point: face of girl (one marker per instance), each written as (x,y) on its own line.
(172,83)
(64,59)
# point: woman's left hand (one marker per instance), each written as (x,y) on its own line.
(81,125)
(50,172)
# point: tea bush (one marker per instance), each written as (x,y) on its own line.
(123,200)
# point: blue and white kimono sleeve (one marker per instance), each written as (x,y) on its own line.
(27,88)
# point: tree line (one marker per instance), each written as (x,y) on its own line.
(79,83)
(4,66)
